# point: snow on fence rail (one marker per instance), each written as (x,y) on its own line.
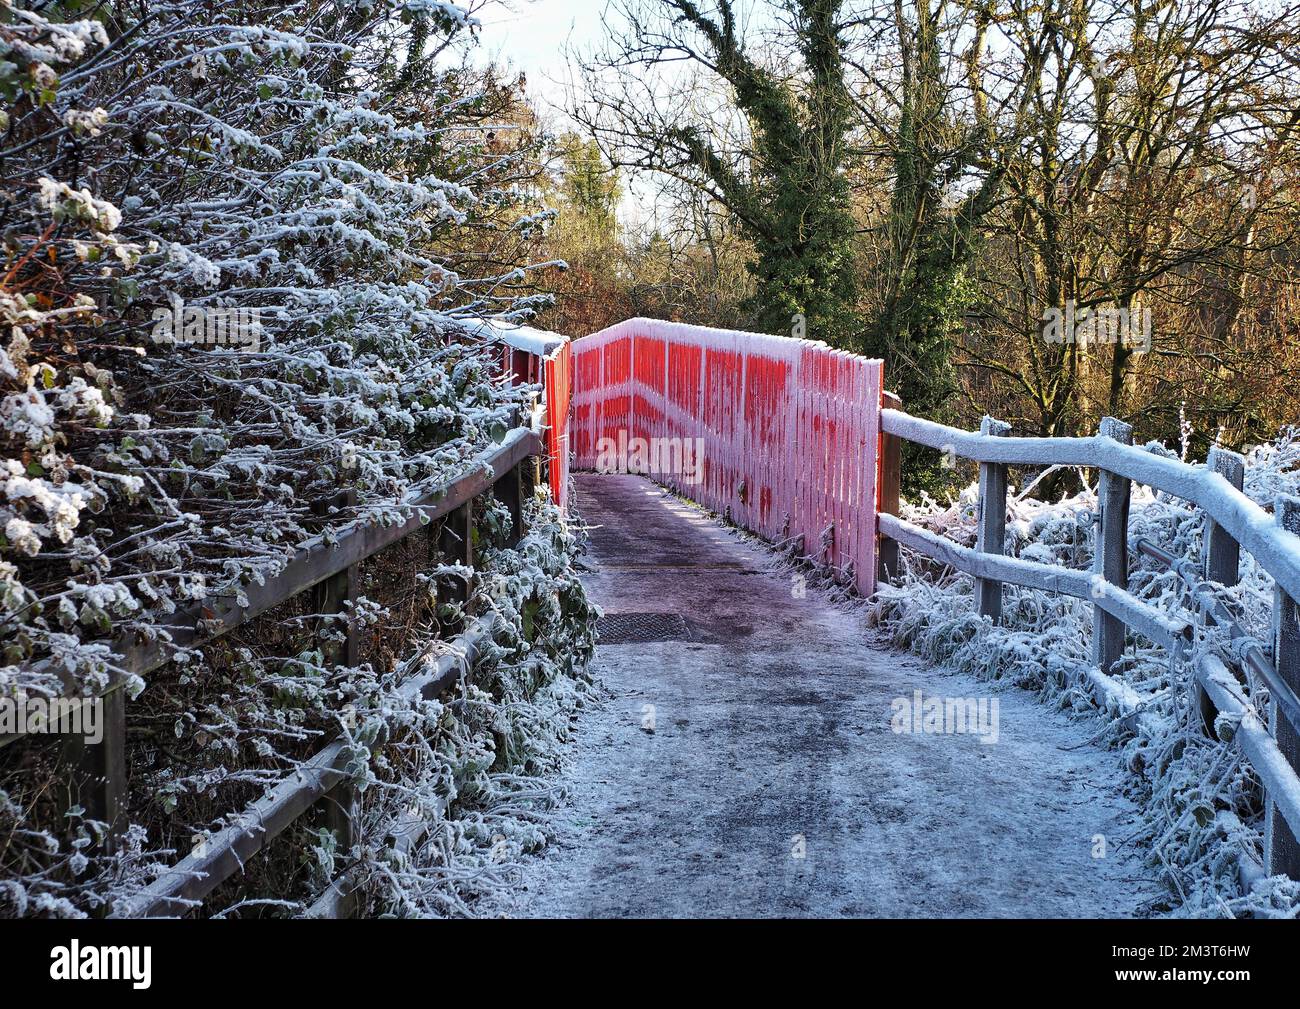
(1233,521)
(322,779)
(768,430)
(314,562)
(1277,549)
(329,569)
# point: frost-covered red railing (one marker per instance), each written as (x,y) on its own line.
(1233,521)
(540,357)
(779,434)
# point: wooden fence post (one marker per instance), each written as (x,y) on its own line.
(510,492)
(1281,852)
(992,523)
(1222,557)
(456,546)
(530,478)
(340,811)
(337,595)
(891,480)
(1110,560)
(96,779)
(341,816)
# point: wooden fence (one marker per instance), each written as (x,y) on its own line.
(328,568)
(1231,683)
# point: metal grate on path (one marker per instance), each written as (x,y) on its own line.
(639,628)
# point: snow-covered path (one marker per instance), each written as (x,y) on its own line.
(772,739)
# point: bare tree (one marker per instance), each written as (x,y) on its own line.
(1150,190)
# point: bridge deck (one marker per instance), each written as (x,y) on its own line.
(772,720)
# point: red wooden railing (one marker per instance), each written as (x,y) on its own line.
(533,356)
(781,434)
(557,370)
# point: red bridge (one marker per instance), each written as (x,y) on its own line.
(715,642)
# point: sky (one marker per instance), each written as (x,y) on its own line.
(531,36)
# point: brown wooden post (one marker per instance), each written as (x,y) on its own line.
(510,492)
(1222,557)
(456,546)
(992,526)
(339,808)
(1281,852)
(891,484)
(1110,560)
(337,595)
(530,478)
(96,778)
(341,816)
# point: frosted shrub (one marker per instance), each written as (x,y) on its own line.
(229,164)
(478,768)
(324,165)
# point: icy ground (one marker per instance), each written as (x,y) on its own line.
(772,739)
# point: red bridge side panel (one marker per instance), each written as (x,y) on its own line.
(779,434)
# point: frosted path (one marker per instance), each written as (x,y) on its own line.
(772,721)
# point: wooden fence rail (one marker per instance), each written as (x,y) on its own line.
(314,562)
(326,566)
(1232,522)
(321,781)
(195,876)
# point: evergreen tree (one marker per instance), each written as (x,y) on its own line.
(789,194)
